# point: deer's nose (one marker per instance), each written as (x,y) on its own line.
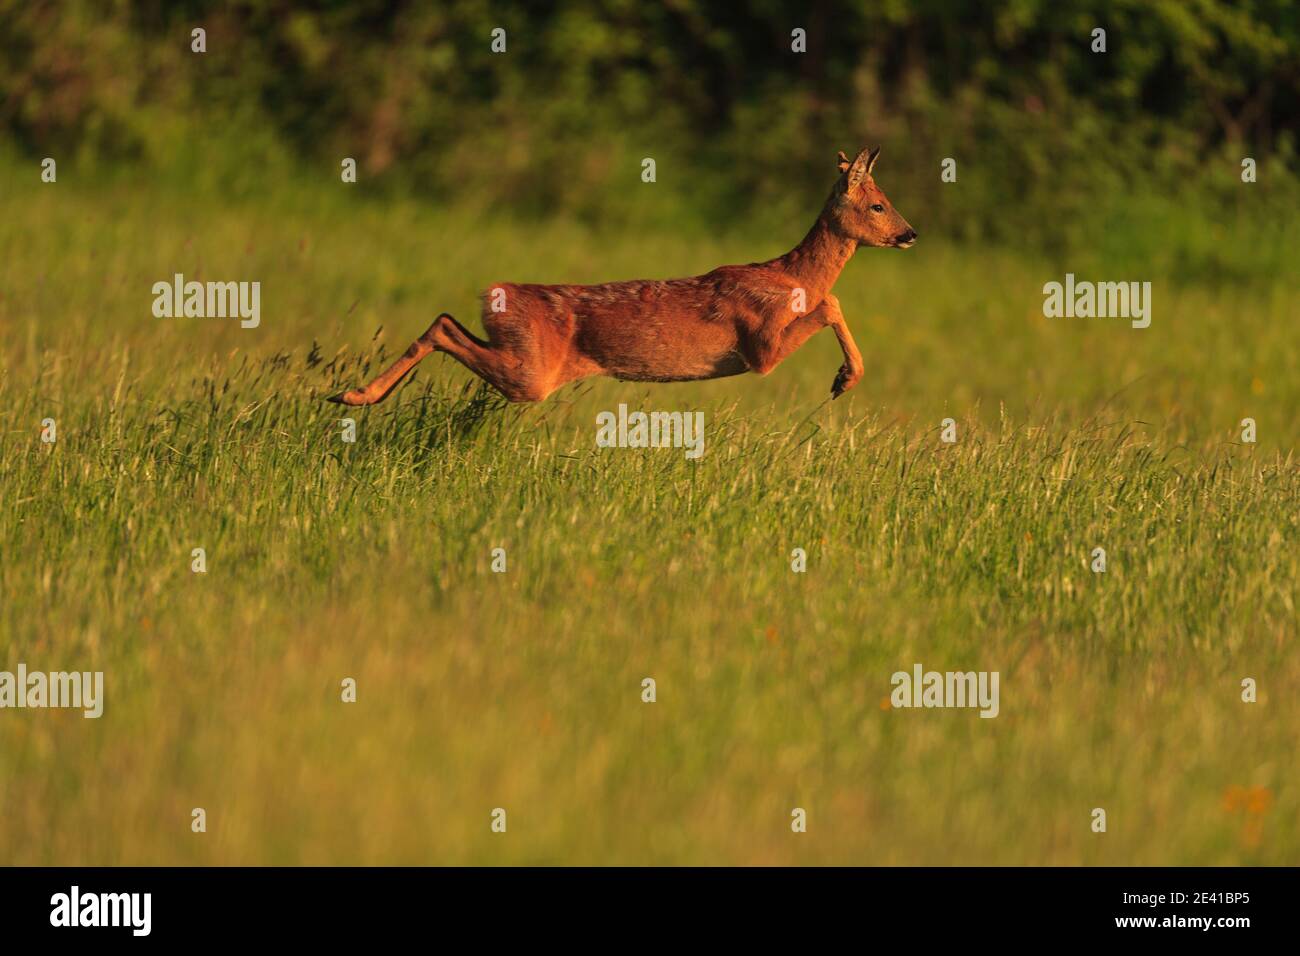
(909,236)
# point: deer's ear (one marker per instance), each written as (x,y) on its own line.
(860,170)
(871,160)
(844,162)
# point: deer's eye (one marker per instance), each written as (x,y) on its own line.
(876,207)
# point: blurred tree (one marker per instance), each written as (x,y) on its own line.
(583,92)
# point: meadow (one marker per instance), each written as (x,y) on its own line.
(522,690)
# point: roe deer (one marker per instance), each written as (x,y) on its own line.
(734,319)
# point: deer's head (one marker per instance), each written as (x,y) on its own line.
(860,211)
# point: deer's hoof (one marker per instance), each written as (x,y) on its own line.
(353,397)
(844,381)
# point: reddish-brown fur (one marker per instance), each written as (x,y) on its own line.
(734,319)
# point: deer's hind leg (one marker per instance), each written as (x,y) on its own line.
(387,380)
(520,361)
(513,364)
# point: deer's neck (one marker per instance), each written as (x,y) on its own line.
(817,261)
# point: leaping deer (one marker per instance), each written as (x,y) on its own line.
(734,319)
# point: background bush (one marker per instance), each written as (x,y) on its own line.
(1059,148)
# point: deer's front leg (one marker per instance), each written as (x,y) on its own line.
(851,371)
(766,352)
(772,343)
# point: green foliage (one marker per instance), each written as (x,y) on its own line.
(1046,132)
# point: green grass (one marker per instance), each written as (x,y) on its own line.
(522,690)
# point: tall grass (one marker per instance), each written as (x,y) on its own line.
(522,690)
